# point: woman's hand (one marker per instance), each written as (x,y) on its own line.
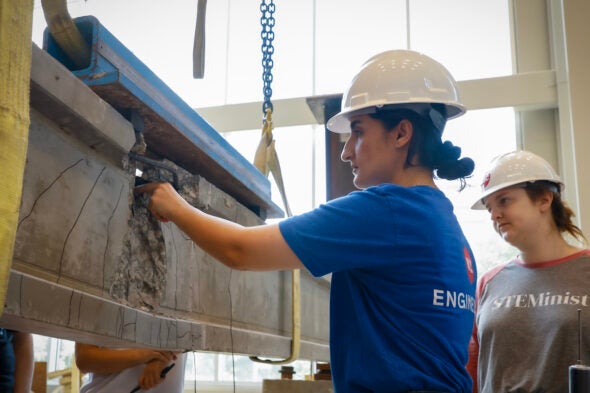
(150,376)
(164,201)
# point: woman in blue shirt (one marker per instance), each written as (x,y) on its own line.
(403,274)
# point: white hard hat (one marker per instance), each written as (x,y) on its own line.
(513,168)
(403,78)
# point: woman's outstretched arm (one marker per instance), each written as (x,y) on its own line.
(245,248)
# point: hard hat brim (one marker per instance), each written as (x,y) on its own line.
(340,122)
(479,204)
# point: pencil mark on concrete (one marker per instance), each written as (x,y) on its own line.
(20,295)
(62,173)
(80,308)
(176,270)
(76,222)
(120,322)
(132,323)
(70,308)
(104,256)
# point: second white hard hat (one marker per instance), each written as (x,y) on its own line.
(513,168)
(404,78)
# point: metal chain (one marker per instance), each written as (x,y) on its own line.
(267,7)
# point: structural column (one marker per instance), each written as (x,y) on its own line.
(575,95)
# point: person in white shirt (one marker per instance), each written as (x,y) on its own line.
(115,370)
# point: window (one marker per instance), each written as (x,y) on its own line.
(482,135)
(204,372)
(471,38)
(319,45)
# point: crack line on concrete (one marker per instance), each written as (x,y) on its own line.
(179,336)
(79,309)
(20,295)
(134,324)
(47,189)
(76,222)
(158,337)
(177,262)
(104,256)
(120,322)
(194,337)
(170,325)
(70,308)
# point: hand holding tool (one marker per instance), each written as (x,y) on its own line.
(162,375)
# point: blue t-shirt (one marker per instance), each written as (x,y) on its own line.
(403,285)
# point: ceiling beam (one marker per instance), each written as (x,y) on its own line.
(525,91)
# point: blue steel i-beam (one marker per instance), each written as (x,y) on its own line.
(172,129)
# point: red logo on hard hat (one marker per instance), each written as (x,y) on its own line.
(469,265)
(486,180)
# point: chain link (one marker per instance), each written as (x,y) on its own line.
(267,7)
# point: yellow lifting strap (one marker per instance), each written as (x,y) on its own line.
(16,21)
(65,32)
(267,160)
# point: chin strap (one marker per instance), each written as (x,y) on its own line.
(437,119)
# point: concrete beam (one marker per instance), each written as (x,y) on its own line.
(91,264)
(76,110)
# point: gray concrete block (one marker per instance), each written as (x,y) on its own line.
(77,110)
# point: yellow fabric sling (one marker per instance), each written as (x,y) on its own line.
(16,21)
(65,32)
(267,160)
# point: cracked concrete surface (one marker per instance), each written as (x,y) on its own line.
(140,277)
(90,264)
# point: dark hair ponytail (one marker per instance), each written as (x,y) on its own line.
(426,144)
(450,166)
